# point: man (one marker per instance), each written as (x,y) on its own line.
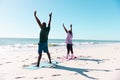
(43,39)
(69,41)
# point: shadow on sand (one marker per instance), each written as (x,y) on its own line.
(94,60)
(80,71)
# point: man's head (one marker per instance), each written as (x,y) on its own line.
(44,24)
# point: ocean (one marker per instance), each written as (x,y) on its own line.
(54,42)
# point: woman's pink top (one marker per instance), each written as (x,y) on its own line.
(69,38)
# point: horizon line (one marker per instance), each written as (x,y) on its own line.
(62,38)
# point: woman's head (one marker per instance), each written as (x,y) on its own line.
(70,32)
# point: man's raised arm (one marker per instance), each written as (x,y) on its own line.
(50,15)
(38,21)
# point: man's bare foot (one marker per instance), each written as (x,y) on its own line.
(50,62)
(37,65)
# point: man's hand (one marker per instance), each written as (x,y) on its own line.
(35,13)
(71,25)
(50,14)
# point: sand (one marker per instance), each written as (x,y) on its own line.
(93,62)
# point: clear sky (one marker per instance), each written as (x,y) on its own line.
(91,19)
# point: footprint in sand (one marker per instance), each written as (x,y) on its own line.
(117,69)
(35,78)
(34,63)
(23,61)
(27,59)
(25,65)
(19,77)
(76,73)
(38,77)
(41,77)
(1,64)
(8,62)
(56,75)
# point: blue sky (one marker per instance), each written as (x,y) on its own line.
(91,19)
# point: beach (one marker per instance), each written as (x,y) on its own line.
(90,27)
(93,62)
